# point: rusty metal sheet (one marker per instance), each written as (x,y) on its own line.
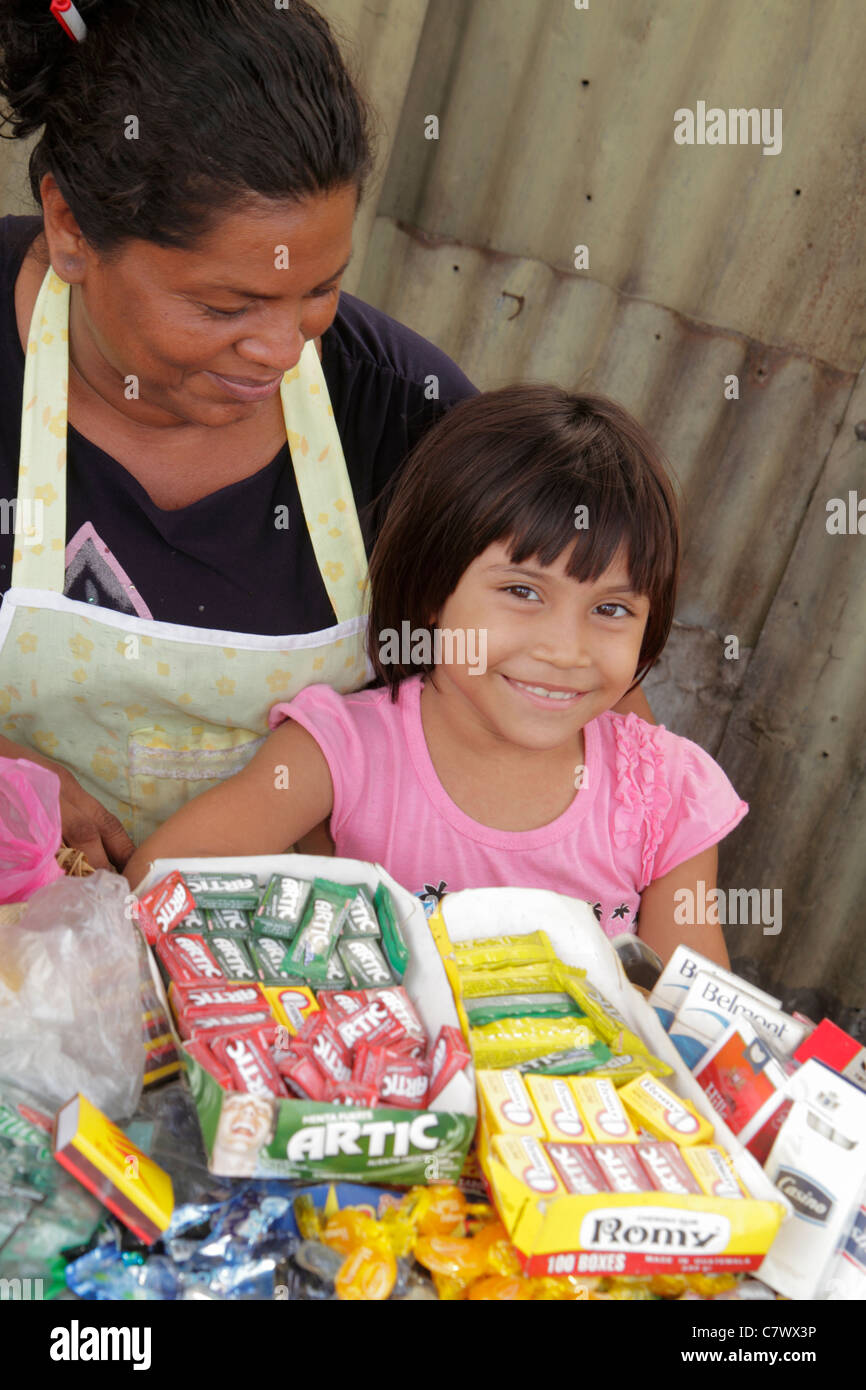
(556,128)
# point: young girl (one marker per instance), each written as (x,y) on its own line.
(523,583)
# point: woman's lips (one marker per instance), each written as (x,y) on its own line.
(246,391)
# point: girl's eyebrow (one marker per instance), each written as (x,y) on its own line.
(625,588)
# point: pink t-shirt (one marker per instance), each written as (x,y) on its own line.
(649,801)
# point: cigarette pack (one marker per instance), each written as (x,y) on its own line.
(675,981)
(134,1188)
(745,1084)
(711,1005)
(836,1049)
(819,1163)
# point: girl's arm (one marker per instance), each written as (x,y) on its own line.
(660,922)
(254,812)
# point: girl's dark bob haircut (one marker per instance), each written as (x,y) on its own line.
(172,113)
(516,464)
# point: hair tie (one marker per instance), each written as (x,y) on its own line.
(67,15)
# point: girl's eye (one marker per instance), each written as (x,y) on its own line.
(521,591)
(605,609)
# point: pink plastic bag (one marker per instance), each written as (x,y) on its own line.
(29,828)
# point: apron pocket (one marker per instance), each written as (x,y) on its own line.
(169,767)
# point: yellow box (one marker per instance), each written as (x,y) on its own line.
(713,1171)
(114,1169)
(556,1106)
(603,1111)
(526,1161)
(654,1106)
(291,1004)
(507,1107)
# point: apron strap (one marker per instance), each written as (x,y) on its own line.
(324,486)
(40,517)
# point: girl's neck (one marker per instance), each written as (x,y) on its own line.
(499,784)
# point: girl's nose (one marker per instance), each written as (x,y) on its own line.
(563,643)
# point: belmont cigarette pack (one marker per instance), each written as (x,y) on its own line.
(134,1188)
(676,979)
(710,1007)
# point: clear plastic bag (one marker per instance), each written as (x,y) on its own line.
(29,828)
(70,1012)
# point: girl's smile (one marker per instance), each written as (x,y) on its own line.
(559,652)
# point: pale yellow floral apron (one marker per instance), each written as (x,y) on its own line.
(148,714)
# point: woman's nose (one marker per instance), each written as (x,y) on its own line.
(279,348)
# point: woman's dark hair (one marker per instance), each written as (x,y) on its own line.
(515,465)
(232,99)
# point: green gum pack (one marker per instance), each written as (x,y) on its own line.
(362,920)
(365,964)
(234,958)
(282,906)
(310,952)
(393,942)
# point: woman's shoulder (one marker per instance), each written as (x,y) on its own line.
(373,339)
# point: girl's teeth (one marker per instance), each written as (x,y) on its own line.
(549,694)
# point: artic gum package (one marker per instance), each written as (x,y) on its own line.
(608,1023)
(507,1104)
(269,954)
(665,1168)
(527,1161)
(603,1111)
(227,919)
(570,1062)
(233,956)
(282,906)
(364,963)
(621,1168)
(322,922)
(223,890)
(577,1168)
(556,1106)
(188,959)
(393,942)
(362,919)
(654,1107)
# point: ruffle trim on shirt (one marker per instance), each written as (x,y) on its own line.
(642,798)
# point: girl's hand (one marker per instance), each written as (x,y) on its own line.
(658,923)
(84,822)
(282,793)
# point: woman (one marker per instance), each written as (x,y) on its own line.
(202,419)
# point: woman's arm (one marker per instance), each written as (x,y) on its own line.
(635,703)
(665,920)
(282,793)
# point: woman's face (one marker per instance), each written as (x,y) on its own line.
(155,330)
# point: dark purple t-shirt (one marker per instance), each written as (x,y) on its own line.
(221,562)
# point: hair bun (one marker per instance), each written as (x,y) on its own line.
(35,51)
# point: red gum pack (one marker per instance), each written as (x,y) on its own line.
(250,1065)
(448,1056)
(301,1076)
(166,904)
(319,1033)
(621,1168)
(399,1080)
(188,959)
(259,1026)
(375,1023)
(201,1053)
(197,1001)
(577,1168)
(665,1168)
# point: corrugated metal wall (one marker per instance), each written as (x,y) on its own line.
(556,129)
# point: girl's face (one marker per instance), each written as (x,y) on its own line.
(558,652)
(239,306)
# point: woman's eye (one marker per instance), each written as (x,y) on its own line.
(606,610)
(223,313)
(521,590)
(320,294)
